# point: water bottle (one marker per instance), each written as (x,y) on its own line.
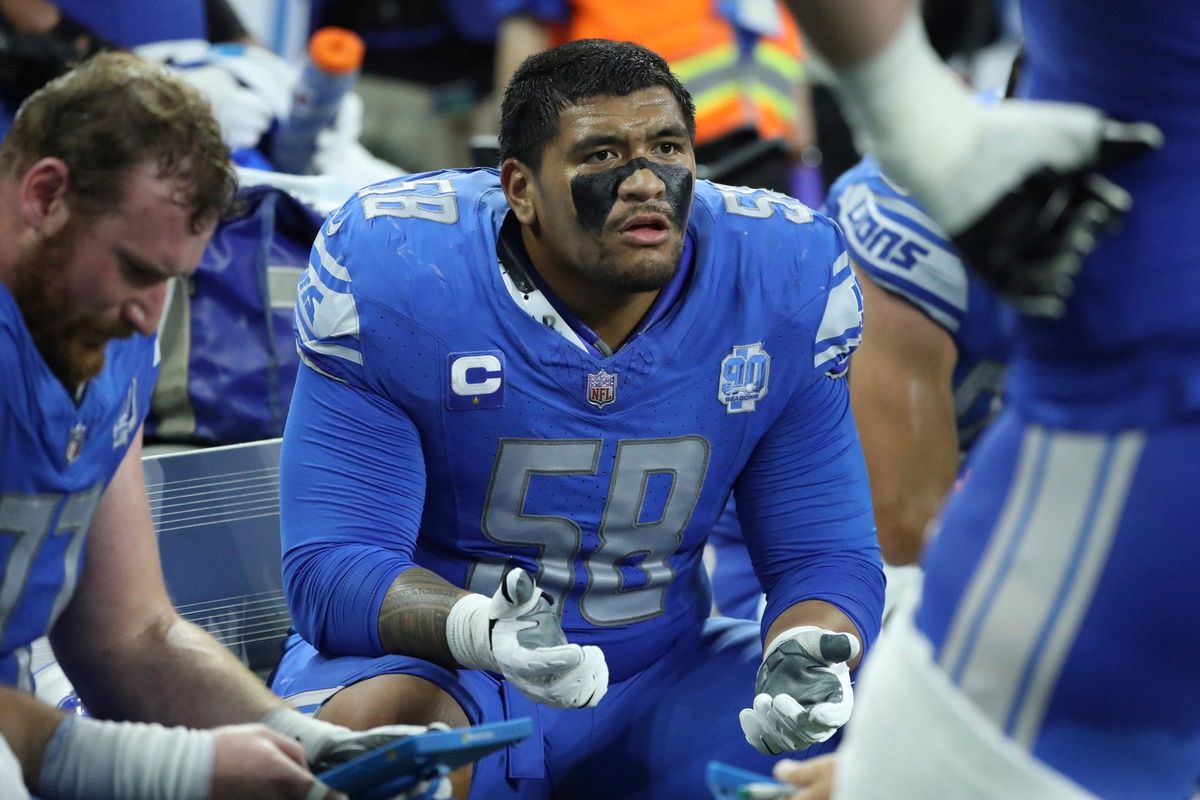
(331,69)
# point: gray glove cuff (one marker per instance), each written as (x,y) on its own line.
(99,760)
(803,662)
(326,744)
(312,734)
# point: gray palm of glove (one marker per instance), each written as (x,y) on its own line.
(344,744)
(327,745)
(531,650)
(802,690)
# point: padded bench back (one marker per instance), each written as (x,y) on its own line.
(216,512)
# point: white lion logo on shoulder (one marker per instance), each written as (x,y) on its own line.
(744,376)
(127,421)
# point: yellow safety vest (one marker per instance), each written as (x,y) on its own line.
(731,91)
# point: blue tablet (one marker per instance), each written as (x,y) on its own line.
(399,765)
(727,782)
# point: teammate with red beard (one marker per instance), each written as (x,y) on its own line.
(112,179)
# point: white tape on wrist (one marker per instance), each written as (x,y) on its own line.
(468,633)
(103,760)
(911,105)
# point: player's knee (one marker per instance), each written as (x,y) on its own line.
(392,699)
(399,699)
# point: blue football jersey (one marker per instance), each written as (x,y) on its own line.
(435,403)
(1127,352)
(893,240)
(58,458)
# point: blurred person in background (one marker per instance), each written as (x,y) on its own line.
(40,39)
(250,87)
(927,379)
(743,62)
(1047,657)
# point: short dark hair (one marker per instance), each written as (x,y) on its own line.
(113,113)
(548,82)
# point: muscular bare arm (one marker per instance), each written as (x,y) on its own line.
(121,642)
(247,761)
(26,725)
(900,388)
(31,16)
(412,618)
(519,37)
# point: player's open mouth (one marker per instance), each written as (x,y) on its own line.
(646,230)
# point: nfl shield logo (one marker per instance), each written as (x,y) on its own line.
(75,440)
(601,388)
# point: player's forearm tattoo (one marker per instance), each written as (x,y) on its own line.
(412,618)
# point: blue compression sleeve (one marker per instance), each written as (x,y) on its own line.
(352,487)
(805,509)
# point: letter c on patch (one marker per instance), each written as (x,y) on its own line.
(475,375)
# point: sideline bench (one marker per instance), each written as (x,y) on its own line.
(216,513)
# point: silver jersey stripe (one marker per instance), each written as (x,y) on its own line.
(282,281)
(308,362)
(1031,452)
(310,701)
(1076,594)
(24,673)
(1006,631)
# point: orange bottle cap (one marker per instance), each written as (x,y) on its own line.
(336,50)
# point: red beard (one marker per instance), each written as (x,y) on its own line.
(72,345)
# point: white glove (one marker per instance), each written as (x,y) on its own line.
(349,122)
(518,634)
(327,745)
(339,152)
(242,114)
(350,162)
(1014,184)
(176,53)
(261,71)
(802,691)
